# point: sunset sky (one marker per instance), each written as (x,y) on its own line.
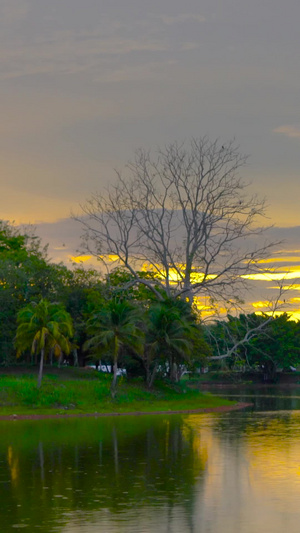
(86,82)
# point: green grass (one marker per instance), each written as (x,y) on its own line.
(89,392)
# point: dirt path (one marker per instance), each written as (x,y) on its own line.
(220,409)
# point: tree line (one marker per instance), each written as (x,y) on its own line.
(54,314)
(50,312)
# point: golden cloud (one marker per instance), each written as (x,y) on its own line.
(285,259)
(262,304)
(289,130)
(79,258)
(291,273)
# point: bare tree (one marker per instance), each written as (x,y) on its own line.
(184,214)
(252,326)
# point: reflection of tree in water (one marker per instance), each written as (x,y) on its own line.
(279,404)
(237,426)
(263,398)
(55,467)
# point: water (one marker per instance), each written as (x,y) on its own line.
(230,473)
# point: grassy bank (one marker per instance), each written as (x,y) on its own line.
(89,392)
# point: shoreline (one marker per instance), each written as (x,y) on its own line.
(209,385)
(219,409)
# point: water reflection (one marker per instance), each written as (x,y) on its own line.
(264,398)
(51,469)
(231,473)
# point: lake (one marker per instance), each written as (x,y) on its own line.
(236,472)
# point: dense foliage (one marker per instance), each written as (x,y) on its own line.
(273,343)
(51,313)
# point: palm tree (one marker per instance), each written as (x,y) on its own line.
(170,336)
(42,327)
(113,327)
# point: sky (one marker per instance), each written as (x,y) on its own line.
(83,83)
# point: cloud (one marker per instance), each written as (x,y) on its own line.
(127,52)
(189,46)
(284,259)
(70,54)
(64,241)
(101,48)
(13,12)
(30,115)
(273,276)
(289,130)
(183,17)
(142,72)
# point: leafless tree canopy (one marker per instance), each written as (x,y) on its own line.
(186,214)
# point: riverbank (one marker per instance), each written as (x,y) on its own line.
(68,393)
(244,379)
(220,409)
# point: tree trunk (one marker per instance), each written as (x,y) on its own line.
(114,380)
(75,356)
(115,368)
(187,294)
(269,372)
(81,358)
(180,370)
(151,376)
(51,356)
(60,359)
(40,377)
(173,371)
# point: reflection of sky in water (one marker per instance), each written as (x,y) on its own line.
(232,473)
(253,481)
